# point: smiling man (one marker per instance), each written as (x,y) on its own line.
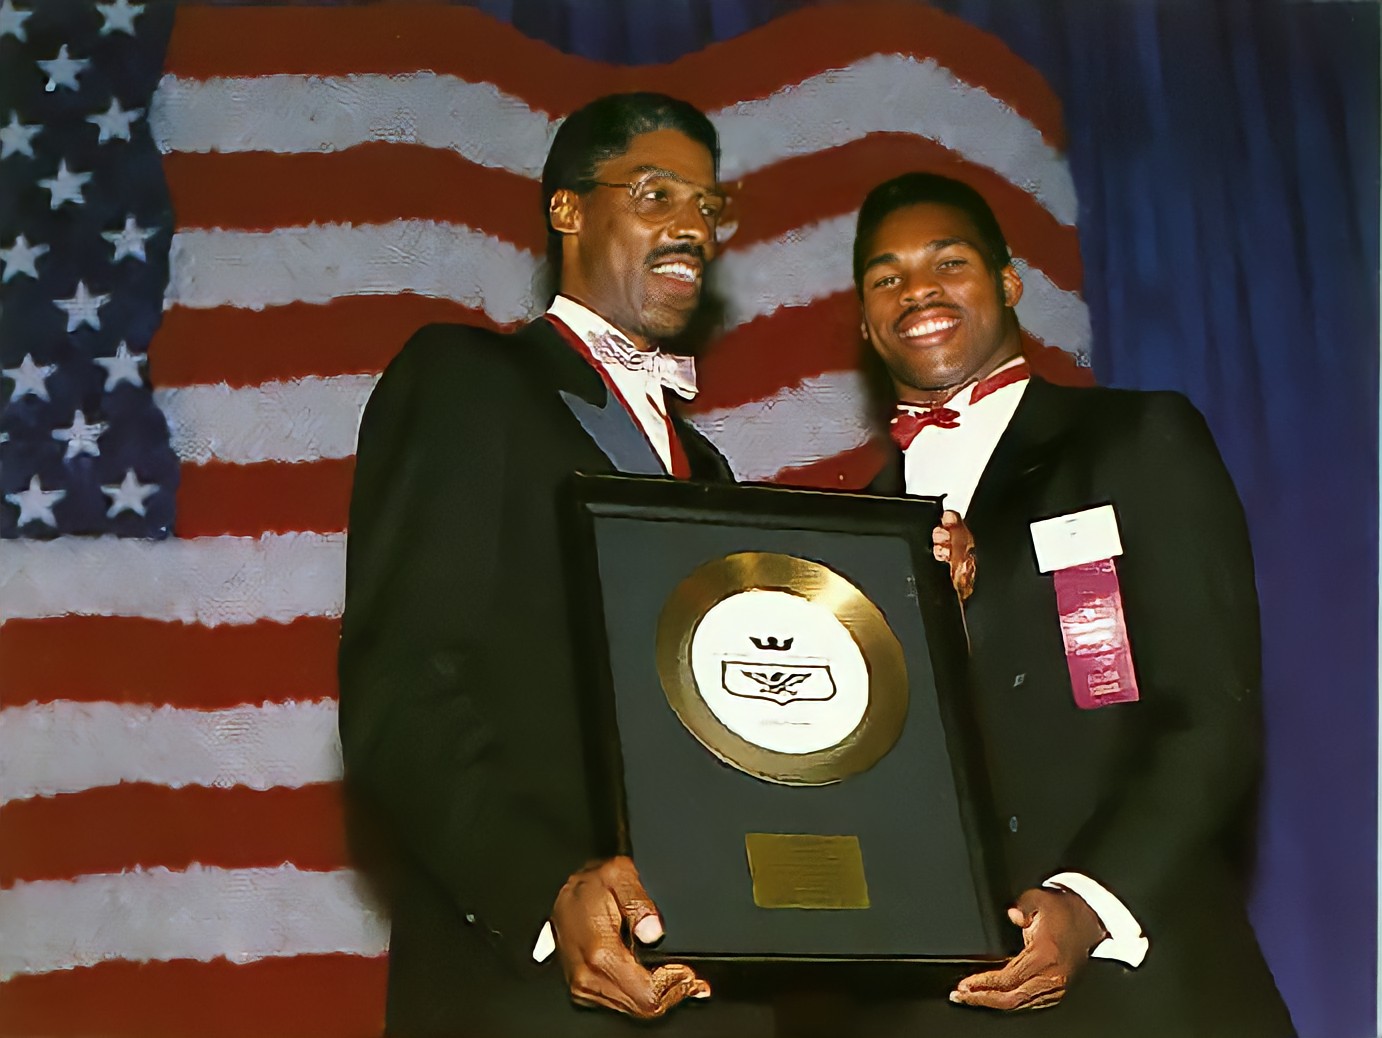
(459,713)
(1115,647)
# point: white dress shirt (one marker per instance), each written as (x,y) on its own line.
(949,462)
(642,388)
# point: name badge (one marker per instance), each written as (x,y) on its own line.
(1079,549)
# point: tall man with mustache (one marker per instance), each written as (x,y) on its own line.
(459,714)
(1126,775)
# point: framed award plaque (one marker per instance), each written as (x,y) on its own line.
(777,729)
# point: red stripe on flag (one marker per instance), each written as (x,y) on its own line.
(259,191)
(1054,364)
(762,357)
(851,470)
(115,828)
(351,335)
(759,359)
(307,996)
(267,497)
(133,660)
(369,183)
(808,188)
(245,41)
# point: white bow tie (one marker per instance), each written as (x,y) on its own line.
(670,370)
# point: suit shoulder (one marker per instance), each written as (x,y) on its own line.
(1133,410)
(459,356)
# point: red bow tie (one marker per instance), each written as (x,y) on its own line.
(910,419)
(908,422)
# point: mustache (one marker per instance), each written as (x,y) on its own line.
(924,309)
(695,252)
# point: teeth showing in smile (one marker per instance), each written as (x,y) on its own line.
(680,271)
(935,324)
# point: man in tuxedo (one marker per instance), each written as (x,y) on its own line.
(1124,786)
(459,714)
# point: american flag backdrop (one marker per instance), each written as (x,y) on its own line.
(184,369)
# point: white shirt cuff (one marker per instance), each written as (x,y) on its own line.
(1125,941)
(546,944)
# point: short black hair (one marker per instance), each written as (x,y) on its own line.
(914,189)
(603,130)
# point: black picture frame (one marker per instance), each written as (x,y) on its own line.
(922,814)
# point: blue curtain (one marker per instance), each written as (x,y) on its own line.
(1226,158)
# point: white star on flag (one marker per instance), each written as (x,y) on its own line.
(63,70)
(16,138)
(128,495)
(12,22)
(36,503)
(81,436)
(130,241)
(65,187)
(19,259)
(83,308)
(119,17)
(123,367)
(29,378)
(114,122)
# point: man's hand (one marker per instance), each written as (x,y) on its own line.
(1058,932)
(596,909)
(952,542)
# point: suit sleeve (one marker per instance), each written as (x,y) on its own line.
(422,567)
(1194,743)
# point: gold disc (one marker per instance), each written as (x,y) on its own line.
(782,668)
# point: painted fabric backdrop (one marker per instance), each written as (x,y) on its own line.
(171,852)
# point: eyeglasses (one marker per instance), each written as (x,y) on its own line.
(656,196)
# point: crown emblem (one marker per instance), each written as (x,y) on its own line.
(772,644)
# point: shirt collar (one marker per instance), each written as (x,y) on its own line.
(585,322)
(614,350)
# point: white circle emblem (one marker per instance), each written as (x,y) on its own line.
(780,671)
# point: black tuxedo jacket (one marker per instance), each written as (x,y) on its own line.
(1153,798)
(459,713)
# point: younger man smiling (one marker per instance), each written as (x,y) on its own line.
(1127,792)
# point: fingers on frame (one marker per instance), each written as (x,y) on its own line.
(1036,993)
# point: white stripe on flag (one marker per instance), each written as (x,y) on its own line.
(67,747)
(816,418)
(207,580)
(288,114)
(302,420)
(800,424)
(813,262)
(315,264)
(805,264)
(896,93)
(1053,315)
(884,93)
(203,913)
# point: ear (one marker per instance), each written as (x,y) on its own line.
(564,211)
(1011,281)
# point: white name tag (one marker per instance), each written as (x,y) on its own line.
(1076,539)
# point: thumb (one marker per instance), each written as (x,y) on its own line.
(634,903)
(950,518)
(1024,912)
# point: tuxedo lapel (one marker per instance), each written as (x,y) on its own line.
(579,387)
(1023,454)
